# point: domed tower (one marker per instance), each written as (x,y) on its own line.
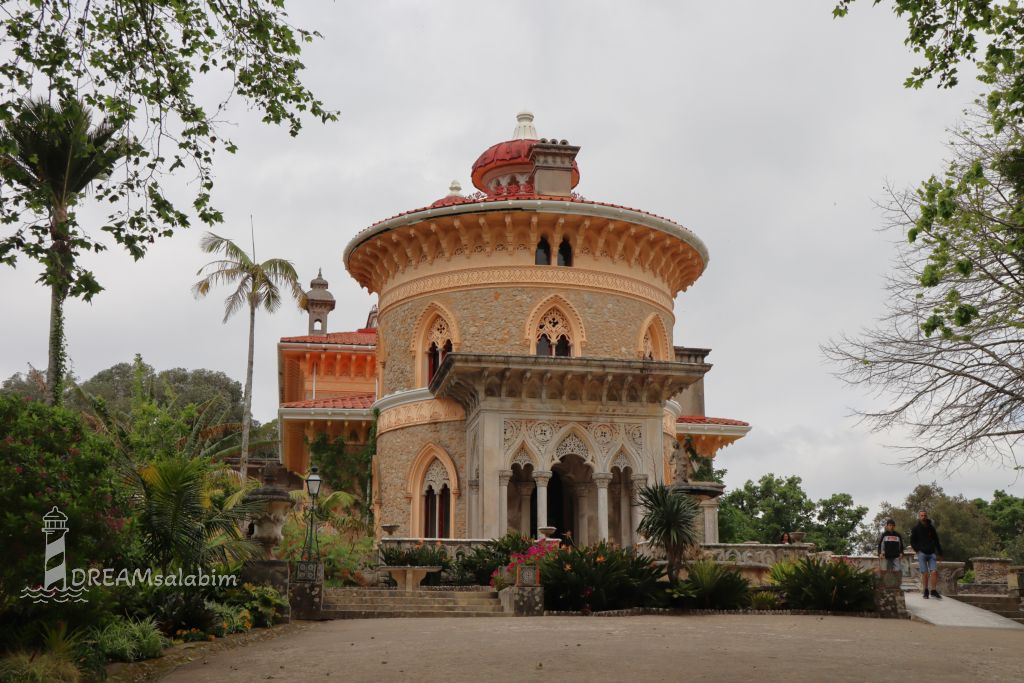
(319,303)
(525,351)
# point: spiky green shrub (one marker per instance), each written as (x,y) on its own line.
(130,640)
(598,577)
(764,600)
(715,586)
(829,586)
(31,667)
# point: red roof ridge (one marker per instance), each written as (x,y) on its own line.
(360,401)
(703,419)
(364,337)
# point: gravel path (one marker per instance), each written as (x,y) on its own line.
(748,648)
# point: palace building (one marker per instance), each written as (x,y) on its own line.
(519,363)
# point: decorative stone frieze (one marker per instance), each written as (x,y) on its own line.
(420,412)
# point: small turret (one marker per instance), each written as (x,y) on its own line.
(319,303)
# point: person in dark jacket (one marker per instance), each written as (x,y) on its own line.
(924,539)
(890,546)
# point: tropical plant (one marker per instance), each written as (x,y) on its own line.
(765,600)
(258,285)
(830,586)
(189,515)
(715,586)
(54,153)
(669,521)
(34,667)
(420,555)
(264,603)
(599,577)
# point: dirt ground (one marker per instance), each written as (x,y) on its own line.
(746,648)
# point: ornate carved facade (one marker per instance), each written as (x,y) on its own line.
(524,373)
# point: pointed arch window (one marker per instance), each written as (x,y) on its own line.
(554,336)
(565,253)
(439,345)
(543,255)
(437,503)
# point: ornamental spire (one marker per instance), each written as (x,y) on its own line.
(525,129)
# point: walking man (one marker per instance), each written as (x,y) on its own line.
(924,539)
(890,546)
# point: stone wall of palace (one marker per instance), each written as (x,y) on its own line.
(494,320)
(396,452)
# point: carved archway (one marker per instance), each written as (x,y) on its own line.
(569,317)
(435,324)
(432,465)
(653,342)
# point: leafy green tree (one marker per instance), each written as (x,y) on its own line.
(49,457)
(1006,513)
(837,522)
(161,74)
(51,155)
(258,285)
(30,385)
(773,505)
(669,521)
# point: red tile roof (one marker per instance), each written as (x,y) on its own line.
(364,337)
(509,153)
(355,401)
(702,420)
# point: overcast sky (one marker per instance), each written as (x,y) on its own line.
(768,128)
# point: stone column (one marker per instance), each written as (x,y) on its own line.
(624,514)
(582,533)
(542,477)
(709,508)
(525,489)
(638,480)
(601,480)
(504,476)
(473,521)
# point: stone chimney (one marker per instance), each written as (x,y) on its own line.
(552,167)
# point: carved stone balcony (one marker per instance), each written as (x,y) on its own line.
(471,378)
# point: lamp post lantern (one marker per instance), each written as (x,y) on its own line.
(311,551)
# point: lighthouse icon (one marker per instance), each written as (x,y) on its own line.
(55,526)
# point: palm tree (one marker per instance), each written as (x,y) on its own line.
(259,285)
(668,521)
(55,153)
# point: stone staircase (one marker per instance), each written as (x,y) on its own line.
(1003,605)
(376,603)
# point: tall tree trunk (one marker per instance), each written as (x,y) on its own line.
(243,459)
(56,365)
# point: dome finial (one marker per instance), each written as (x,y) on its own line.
(455,189)
(525,129)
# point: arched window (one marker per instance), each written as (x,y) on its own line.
(554,337)
(565,253)
(543,256)
(648,346)
(654,343)
(440,345)
(437,503)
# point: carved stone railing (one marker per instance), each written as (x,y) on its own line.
(762,554)
(452,546)
(949,572)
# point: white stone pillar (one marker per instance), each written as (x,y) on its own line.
(473,523)
(638,481)
(601,480)
(504,476)
(582,535)
(542,478)
(525,489)
(624,514)
(710,509)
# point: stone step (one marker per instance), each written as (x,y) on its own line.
(339,605)
(392,614)
(980,597)
(424,600)
(458,595)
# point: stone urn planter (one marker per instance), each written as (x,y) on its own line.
(269,521)
(409,578)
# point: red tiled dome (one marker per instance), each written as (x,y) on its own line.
(508,153)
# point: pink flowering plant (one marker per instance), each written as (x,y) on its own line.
(505,576)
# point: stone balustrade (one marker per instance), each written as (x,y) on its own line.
(763,554)
(991,569)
